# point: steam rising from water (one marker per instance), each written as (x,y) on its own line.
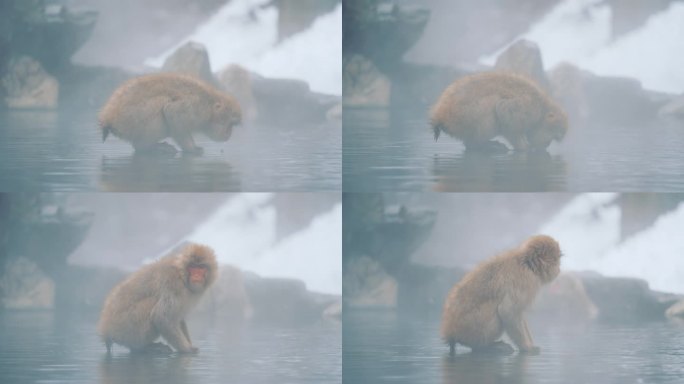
(243,233)
(588,229)
(243,33)
(579,32)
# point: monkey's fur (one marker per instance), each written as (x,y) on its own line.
(153,302)
(491,299)
(482,106)
(150,108)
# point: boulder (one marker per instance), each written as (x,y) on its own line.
(25,286)
(237,81)
(565,300)
(192,59)
(26,85)
(289,101)
(281,300)
(603,99)
(621,299)
(363,84)
(524,57)
(367,285)
(227,299)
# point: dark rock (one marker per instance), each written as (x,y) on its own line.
(565,300)
(383,32)
(25,286)
(237,81)
(26,85)
(51,237)
(367,285)
(288,101)
(191,59)
(279,300)
(50,33)
(227,299)
(524,57)
(624,299)
(363,84)
(603,99)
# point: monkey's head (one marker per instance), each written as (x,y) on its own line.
(542,255)
(553,127)
(226,114)
(198,267)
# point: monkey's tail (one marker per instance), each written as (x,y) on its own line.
(436,128)
(106,128)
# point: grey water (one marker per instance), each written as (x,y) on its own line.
(388,151)
(381,347)
(42,347)
(63,151)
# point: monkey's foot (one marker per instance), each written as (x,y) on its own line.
(155,349)
(491,146)
(497,348)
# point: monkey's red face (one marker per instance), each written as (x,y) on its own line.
(197,277)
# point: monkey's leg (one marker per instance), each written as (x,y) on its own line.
(514,116)
(184,328)
(172,333)
(186,142)
(179,118)
(452,347)
(515,326)
(108,344)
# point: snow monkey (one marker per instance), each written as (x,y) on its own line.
(479,107)
(492,298)
(150,108)
(154,300)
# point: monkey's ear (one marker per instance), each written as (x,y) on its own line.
(217,105)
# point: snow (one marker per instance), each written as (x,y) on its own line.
(579,32)
(244,33)
(588,230)
(243,233)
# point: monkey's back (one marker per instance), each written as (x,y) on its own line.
(467,109)
(126,315)
(134,112)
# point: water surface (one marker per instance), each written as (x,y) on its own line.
(63,151)
(42,347)
(394,151)
(380,347)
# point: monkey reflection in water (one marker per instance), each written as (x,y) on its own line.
(154,301)
(492,298)
(150,108)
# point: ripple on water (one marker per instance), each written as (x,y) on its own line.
(58,152)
